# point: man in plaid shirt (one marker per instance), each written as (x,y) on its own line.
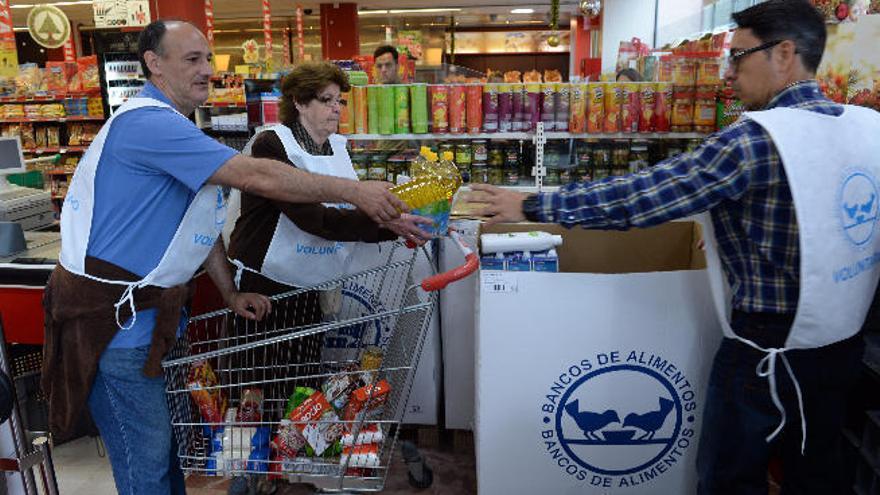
(737,175)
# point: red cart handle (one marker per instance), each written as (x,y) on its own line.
(441,280)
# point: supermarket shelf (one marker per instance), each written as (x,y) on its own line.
(224,105)
(63,149)
(48,98)
(524,136)
(74,118)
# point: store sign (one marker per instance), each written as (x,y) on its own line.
(267,29)
(121,13)
(48,26)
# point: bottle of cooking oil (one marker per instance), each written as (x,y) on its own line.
(433,180)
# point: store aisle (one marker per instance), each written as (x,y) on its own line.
(80,470)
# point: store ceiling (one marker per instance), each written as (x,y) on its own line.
(474,12)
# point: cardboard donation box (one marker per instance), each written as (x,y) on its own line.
(592,380)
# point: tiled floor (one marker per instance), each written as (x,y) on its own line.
(80,470)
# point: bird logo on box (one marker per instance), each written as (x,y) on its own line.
(620,419)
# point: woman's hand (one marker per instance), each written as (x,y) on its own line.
(249,305)
(407,226)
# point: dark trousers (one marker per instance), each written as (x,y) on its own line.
(733,454)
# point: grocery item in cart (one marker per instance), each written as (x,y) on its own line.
(370,433)
(250,409)
(366,399)
(595,107)
(288,440)
(201,384)
(338,388)
(365,456)
(318,422)
(300,394)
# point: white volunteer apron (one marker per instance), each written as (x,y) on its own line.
(192,242)
(833,169)
(296,257)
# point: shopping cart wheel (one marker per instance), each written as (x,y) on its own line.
(420,475)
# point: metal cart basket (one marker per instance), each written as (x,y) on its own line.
(315,392)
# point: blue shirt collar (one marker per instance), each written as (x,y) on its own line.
(151,91)
(797,94)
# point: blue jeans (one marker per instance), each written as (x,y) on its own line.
(132,416)
(734,455)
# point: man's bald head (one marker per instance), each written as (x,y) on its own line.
(151,39)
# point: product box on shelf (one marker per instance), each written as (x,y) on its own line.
(600,370)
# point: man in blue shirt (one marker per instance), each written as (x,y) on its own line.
(737,175)
(153,162)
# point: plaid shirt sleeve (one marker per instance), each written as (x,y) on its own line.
(722,168)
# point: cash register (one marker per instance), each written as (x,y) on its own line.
(30,208)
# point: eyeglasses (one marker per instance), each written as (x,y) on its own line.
(329,101)
(736,56)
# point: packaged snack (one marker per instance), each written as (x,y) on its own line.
(513,76)
(548,106)
(474,102)
(709,72)
(56,77)
(373,109)
(28,81)
(629,116)
(683,109)
(552,76)
(613,100)
(366,399)
(386,109)
(664,69)
(595,107)
(300,394)
(490,108)
(318,422)
(705,109)
(40,137)
(371,359)
(346,124)
(531,107)
(370,433)
(366,456)
(647,103)
(440,109)
(517,93)
(663,108)
(457,109)
(75,134)
(419,108)
(250,409)
(684,71)
(532,76)
(26,131)
(401,109)
(563,106)
(505,108)
(359,109)
(338,388)
(577,121)
(289,440)
(88,73)
(53,139)
(201,384)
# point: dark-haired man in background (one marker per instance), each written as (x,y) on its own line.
(142,214)
(386,63)
(782,258)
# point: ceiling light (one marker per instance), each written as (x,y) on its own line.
(522,11)
(407,11)
(56,4)
(372,12)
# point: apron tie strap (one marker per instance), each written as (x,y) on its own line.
(767,369)
(127,297)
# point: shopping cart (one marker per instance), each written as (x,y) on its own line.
(316,392)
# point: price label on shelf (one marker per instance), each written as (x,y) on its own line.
(497,281)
